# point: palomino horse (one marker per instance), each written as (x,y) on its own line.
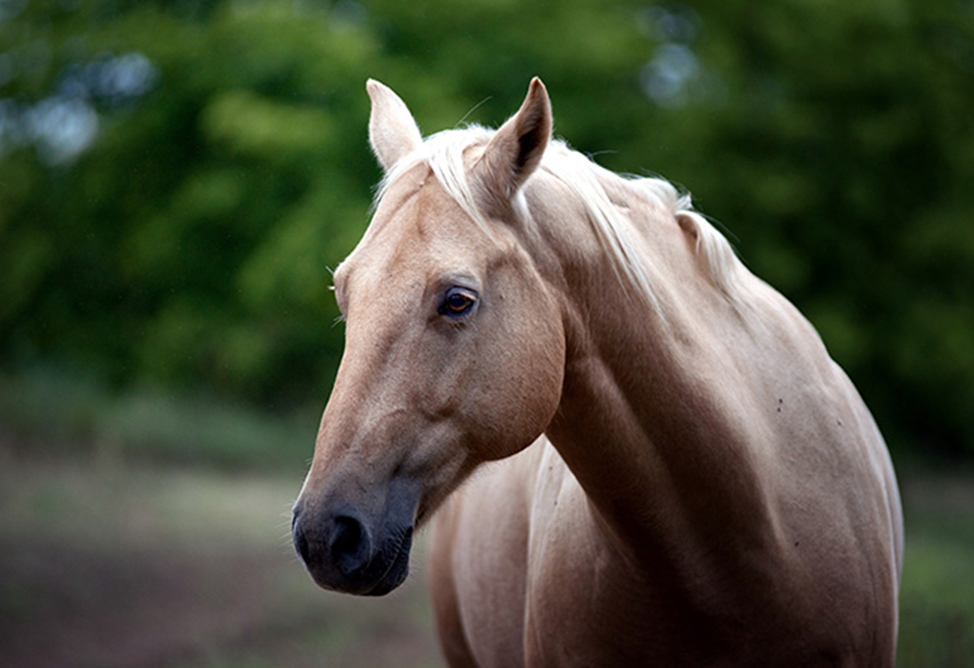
(709,488)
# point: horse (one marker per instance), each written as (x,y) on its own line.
(632,451)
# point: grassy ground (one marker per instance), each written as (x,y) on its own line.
(104,565)
(135,566)
(937,594)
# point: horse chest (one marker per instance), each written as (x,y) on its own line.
(588,605)
(584,605)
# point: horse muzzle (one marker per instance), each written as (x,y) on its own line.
(346,550)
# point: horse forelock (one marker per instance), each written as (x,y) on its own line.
(444,153)
(447,154)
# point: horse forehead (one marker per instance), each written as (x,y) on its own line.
(418,225)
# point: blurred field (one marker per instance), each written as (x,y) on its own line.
(937,595)
(105,565)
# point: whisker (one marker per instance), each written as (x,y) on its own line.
(473,109)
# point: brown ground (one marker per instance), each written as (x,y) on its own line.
(111,565)
(131,566)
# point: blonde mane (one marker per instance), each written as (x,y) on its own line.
(445,153)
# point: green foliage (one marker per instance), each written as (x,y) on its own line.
(176,179)
(80,417)
(937,593)
(192,241)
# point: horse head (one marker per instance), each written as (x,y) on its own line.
(454,349)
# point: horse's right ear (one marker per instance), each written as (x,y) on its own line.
(516,149)
(392,131)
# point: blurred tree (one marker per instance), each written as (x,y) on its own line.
(191,242)
(842,156)
(176,178)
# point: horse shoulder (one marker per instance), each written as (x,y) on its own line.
(834,488)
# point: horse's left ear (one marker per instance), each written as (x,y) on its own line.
(516,149)
(392,131)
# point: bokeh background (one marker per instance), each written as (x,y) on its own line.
(177,178)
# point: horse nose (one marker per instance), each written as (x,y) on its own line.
(340,542)
(349,545)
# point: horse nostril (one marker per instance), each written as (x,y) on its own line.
(349,545)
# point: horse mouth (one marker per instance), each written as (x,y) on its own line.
(397,558)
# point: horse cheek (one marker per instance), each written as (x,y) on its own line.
(530,376)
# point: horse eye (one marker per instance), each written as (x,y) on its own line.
(457,302)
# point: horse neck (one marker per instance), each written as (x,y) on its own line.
(650,416)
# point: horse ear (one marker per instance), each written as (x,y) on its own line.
(516,149)
(392,131)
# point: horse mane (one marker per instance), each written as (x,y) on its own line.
(444,153)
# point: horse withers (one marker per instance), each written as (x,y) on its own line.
(670,468)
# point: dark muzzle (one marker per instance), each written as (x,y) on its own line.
(345,551)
